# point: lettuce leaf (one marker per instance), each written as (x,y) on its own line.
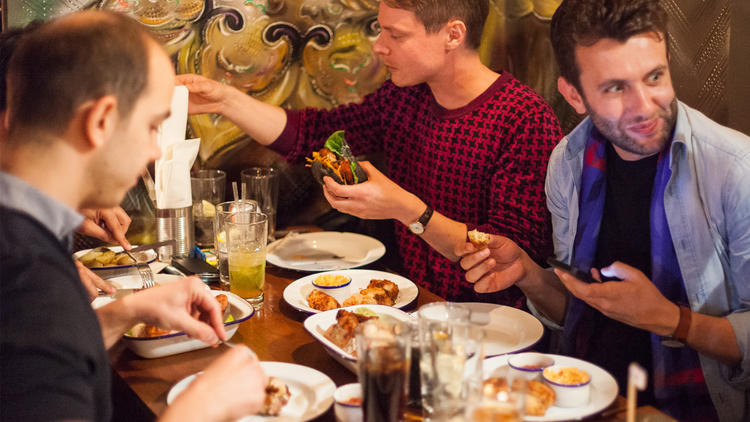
(335,142)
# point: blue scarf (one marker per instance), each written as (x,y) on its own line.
(677,375)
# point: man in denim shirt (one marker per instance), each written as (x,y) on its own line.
(647,195)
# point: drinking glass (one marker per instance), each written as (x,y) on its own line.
(451,360)
(208,187)
(383,358)
(262,185)
(227,212)
(246,253)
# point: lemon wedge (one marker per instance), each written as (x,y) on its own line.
(209,210)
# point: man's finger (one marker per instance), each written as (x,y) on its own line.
(621,271)
(117,230)
(89,228)
(469,261)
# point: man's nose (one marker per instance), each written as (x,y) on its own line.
(641,101)
(378,46)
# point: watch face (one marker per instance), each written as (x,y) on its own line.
(416,228)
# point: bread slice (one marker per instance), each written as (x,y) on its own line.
(479,239)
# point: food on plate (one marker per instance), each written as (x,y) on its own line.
(391,288)
(277,396)
(342,332)
(539,396)
(145,330)
(331,280)
(321,301)
(105,257)
(378,292)
(479,239)
(336,160)
(568,376)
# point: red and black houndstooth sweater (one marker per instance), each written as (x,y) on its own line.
(482,164)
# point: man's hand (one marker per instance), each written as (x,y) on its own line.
(106,224)
(206,95)
(91,281)
(378,198)
(496,267)
(634,301)
(236,384)
(173,306)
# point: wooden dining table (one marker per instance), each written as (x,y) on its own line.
(275,333)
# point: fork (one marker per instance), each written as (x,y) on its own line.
(144,271)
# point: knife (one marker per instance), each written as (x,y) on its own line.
(155,246)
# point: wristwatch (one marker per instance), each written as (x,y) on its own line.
(679,337)
(418,226)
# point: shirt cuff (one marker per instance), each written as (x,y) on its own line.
(285,143)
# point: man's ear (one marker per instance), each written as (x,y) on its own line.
(100,119)
(571,95)
(456,31)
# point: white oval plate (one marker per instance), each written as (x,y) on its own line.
(129,282)
(509,330)
(311,392)
(318,323)
(149,257)
(324,251)
(295,294)
(603,388)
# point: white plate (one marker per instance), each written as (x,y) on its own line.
(311,392)
(318,323)
(113,270)
(132,281)
(174,343)
(296,292)
(603,388)
(315,251)
(509,329)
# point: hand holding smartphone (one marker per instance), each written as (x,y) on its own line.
(575,272)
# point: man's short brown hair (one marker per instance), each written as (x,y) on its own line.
(436,13)
(73,59)
(585,22)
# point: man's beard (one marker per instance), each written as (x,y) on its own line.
(618,136)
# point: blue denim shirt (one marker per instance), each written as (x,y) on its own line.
(707,201)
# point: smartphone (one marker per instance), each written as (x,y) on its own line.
(575,272)
(207,272)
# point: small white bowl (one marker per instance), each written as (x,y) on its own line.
(345,411)
(567,395)
(529,365)
(340,292)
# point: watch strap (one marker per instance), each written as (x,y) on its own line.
(681,332)
(426,216)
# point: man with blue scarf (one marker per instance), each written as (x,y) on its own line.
(652,198)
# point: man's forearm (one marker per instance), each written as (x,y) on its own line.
(714,337)
(263,122)
(544,290)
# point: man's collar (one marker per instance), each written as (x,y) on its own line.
(21,196)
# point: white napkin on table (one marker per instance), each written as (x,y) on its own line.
(178,155)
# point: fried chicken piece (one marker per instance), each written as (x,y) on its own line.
(342,332)
(359,299)
(539,397)
(391,288)
(223,302)
(321,301)
(380,295)
(277,396)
